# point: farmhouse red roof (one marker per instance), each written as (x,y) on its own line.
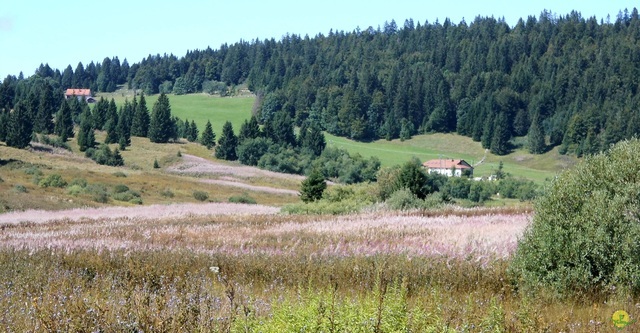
(446,164)
(78,92)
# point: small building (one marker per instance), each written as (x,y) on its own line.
(80,94)
(449,167)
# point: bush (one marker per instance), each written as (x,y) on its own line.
(251,150)
(20,189)
(97,192)
(403,199)
(583,239)
(75,190)
(313,186)
(200,195)
(52,180)
(120,174)
(243,198)
(33,171)
(166,193)
(81,182)
(120,188)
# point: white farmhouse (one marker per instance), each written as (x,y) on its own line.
(448,167)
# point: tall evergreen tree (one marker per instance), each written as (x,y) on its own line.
(64,123)
(535,138)
(501,135)
(123,129)
(312,138)
(227,144)
(43,122)
(250,129)
(19,127)
(140,122)
(4,124)
(208,138)
(86,135)
(313,186)
(161,124)
(193,132)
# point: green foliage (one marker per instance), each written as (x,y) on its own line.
(156,165)
(208,138)
(140,121)
(97,192)
(403,199)
(20,188)
(19,128)
(338,164)
(517,189)
(86,135)
(250,129)
(105,156)
(284,159)
(583,238)
(242,198)
(313,186)
(252,149)
(161,125)
(120,174)
(227,144)
(481,191)
(201,195)
(458,187)
(337,200)
(53,180)
(64,122)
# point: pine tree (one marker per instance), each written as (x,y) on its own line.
(161,124)
(123,130)
(312,138)
(19,127)
(64,123)
(227,144)
(249,129)
(193,132)
(4,124)
(140,122)
(208,138)
(313,186)
(86,135)
(501,135)
(535,138)
(43,122)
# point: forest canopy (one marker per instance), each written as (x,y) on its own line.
(562,80)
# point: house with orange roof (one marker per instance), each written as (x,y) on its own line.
(80,94)
(449,167)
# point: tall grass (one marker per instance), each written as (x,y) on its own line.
(273,273)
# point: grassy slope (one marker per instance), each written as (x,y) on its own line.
(201,107)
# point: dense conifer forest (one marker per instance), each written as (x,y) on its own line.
(560,80)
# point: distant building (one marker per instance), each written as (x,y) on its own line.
(449,167)
(80,94)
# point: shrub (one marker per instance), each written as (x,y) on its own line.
(33,171)
(166,193)
(81,182)
(313,186)
(243,198)
(156,165)
(97,192)
(251,150)
(52,180)
(583,239)
(20,189)
(120,174)
(120,188)
(403,199)
(75,190)
(200,195)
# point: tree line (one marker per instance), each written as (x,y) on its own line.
(565,80)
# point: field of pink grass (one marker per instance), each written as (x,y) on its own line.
(257,230)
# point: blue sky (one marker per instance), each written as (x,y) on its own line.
(63,33)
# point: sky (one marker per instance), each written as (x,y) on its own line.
(61,33)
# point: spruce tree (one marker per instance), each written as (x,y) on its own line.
(193,132)
(123,131)
(64,123)
(501,135)
(161,124)
(43,122)
(19,127)
(4,124)
(227,144)
(535,138)
(208,138)
(140,122)
(86,136)
(313,186)
(249,129)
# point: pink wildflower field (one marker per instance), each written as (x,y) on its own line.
(238,229)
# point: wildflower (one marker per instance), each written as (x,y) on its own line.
(214,269)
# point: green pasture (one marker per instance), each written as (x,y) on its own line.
(200,108)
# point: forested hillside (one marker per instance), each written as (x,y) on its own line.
(560,80)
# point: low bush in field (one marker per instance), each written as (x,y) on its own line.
(338,199)
(97,192)
(243,198)
(19,189)
(52,180)
(201,195)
